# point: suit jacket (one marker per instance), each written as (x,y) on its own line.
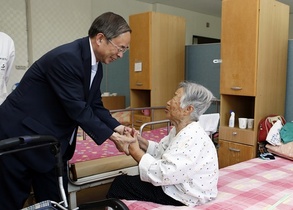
(53,98)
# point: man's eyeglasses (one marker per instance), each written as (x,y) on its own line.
(120,49)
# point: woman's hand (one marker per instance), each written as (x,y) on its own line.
(134,148)
(143,143)
(122,141)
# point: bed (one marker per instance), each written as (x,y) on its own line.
(253,184)
(94,165)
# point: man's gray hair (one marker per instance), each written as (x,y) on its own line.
(109,24)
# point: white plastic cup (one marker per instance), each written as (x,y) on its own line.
(242,122)
(250,123)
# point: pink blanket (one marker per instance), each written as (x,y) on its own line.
(255,184)
(88,150)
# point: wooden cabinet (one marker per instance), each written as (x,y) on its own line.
(237,135)
(239,48)
(140,50)
(157,59)
(114,102)
(139,119)
(233,153)
(254,45)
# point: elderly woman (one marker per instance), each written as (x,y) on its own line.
(182,169)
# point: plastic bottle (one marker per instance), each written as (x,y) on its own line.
(232,120)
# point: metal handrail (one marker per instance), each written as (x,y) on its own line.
(132,110)
(156,122)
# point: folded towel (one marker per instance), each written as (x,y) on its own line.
(209,122)
(286,132)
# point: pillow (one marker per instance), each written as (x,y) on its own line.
(284,150)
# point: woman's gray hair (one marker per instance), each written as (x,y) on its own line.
(196,95)
(109,24)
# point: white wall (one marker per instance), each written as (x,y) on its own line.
(56,22)
(195,22)
(121,7)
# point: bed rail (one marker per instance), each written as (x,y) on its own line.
(168,122)
(133,110)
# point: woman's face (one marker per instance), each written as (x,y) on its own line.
(173,110)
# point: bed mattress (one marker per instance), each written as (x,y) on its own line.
(254,184)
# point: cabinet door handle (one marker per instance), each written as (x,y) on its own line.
(236,88)
(217,61)
(138,121)
(234,133)
(138,84)
(234,150)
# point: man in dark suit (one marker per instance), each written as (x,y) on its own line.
(58,93)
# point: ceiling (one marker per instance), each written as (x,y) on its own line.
(208,7)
